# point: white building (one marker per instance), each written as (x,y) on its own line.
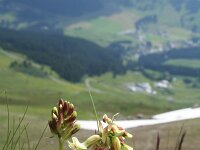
(142,87)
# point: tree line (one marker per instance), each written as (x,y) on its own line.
(71,57)
(156,61)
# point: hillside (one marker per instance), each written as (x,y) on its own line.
(42,91)
(23,88)
(143,26)
(50,14)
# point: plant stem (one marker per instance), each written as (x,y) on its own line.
(95,112)
(60,144)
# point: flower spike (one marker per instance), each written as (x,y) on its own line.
(63,121)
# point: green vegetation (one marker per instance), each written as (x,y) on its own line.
(168,24)
(38,92)
(179,20)
(27,67)
(158,61)
(184,63)
(104,30)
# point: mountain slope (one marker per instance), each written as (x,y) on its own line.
(51,13)
(23,88)
(152,24)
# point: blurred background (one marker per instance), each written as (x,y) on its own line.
(137,57)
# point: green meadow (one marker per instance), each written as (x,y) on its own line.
(111,94)
(190,63)
(104,30)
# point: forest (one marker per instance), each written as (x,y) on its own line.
(72,58)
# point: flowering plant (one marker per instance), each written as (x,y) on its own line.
(63,124)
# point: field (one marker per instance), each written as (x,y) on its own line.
(104,30)
(23,89)
(121,26)
(184,63)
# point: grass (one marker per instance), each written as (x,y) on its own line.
(42,93)
(190,63)
(24,89)
(101,30)
(105,29)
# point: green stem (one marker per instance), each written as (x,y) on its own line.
(60,144)
(95,112)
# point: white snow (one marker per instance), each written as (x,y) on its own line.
(177,115)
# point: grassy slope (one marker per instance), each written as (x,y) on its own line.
(23,89)
(108,24)
(106,29)
(184,63)
(114,96)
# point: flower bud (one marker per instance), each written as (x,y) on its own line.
(116,132)
(55,111)
(106,119)
(63,120)
(127,135)
(76,145)
(116,144)
(69,131)
(92,140)
(126,147)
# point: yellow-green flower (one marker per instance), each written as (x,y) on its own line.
(76,145)
(109,138)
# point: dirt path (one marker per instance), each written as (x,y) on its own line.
(89,87)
